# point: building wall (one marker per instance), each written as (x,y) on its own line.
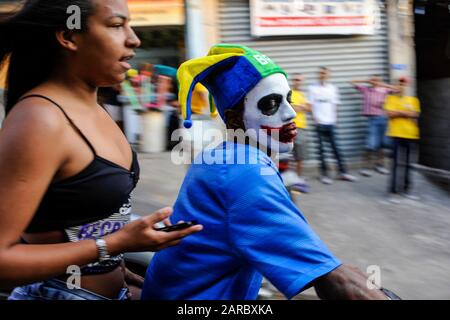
(435,123)
(348,57)
(402,59)
(433,76)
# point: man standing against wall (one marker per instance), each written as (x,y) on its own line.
(373,100)
(324,98)
(403,112)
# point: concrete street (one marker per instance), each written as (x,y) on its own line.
(409,241)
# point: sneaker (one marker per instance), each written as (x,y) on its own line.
(393,198)
(381,170)
(301,180)
(348,177)
(300,187)
(410,196)
(291,178)
(365,173)
(325,180)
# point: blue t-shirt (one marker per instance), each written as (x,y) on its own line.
(251,229)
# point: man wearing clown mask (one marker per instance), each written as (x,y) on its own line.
(251,227)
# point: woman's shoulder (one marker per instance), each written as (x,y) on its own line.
(33,135)
(38,110)
(34,117)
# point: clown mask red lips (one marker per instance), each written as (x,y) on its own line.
(287,133)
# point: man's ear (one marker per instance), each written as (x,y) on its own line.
(235,117)
(66,39)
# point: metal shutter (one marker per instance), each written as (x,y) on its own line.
(348,57)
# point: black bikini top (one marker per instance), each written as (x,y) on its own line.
(99,191)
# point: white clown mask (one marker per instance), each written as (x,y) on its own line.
(268,114)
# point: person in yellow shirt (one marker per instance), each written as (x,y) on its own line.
(302,107)
(403,112)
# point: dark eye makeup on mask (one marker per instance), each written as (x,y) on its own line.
(270,104)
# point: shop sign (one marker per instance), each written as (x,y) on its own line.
(313,17)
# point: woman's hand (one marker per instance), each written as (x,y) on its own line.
(140,235)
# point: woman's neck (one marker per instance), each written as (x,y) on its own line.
(75,87)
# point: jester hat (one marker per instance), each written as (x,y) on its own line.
(229,72)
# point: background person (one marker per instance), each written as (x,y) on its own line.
(403,112)
(324,98)
(373,100)
(301,107)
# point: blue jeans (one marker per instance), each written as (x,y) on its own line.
(376,133)
(401,165)
(327,132)
(57,290)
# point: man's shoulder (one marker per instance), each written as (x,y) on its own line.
(233,156)
(246,154)
(234,167)
(249,161)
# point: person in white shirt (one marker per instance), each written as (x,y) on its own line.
(324,98)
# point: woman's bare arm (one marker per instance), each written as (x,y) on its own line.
(31,151)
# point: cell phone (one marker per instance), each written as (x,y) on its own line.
(178,226)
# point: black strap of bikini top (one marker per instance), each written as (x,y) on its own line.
(65,114)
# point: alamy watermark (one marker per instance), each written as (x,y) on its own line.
(202,146)
(74,279)
(374,280)
(74,20)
